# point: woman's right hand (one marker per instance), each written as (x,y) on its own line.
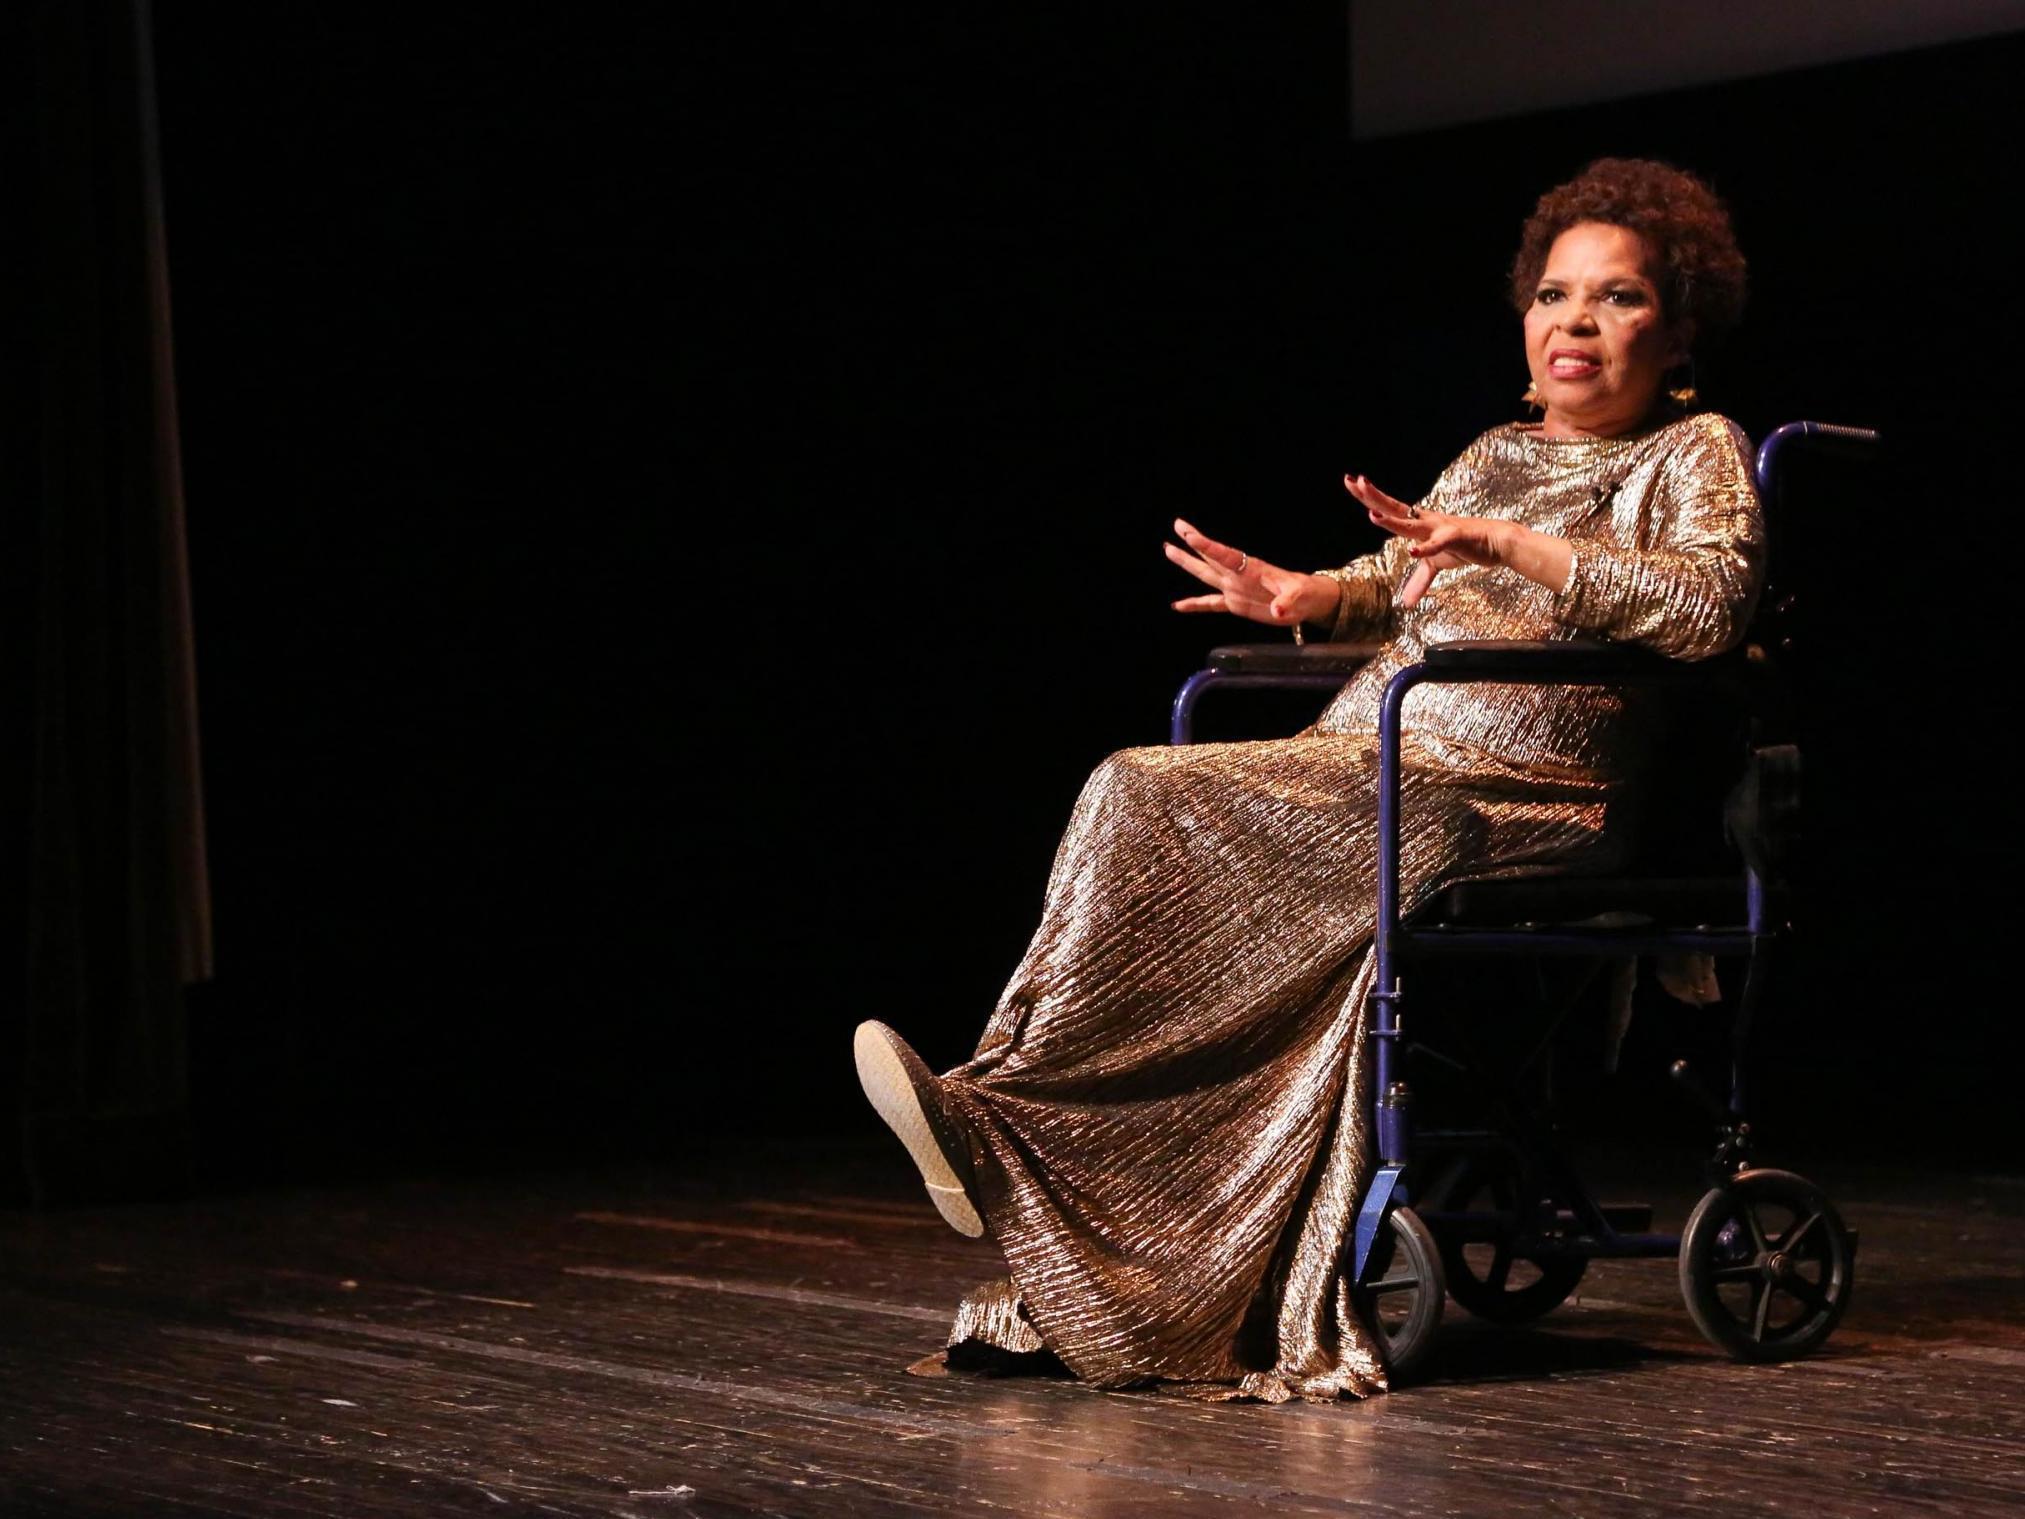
(1248,586)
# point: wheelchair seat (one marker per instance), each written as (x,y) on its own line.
(1699,903)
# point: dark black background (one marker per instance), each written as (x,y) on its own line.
(675,510)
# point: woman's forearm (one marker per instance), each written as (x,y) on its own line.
(1540,557)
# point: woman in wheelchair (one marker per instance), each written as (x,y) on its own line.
(1167,1124)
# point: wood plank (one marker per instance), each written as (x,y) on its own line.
(486,1348)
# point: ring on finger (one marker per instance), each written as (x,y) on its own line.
(1243,562)
(1413,513)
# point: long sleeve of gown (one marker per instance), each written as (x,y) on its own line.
(1689,592)
(1369,584)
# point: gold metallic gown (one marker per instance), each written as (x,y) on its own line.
(1170,1106)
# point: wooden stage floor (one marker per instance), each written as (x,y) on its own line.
(733,1342)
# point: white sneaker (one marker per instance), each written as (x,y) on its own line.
(909,1097)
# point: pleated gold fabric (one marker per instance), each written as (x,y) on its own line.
(1170,1106)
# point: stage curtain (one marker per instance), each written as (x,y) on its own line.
(103,817)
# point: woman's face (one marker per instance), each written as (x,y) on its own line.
(1596,343)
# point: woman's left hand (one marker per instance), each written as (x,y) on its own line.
(1436,540)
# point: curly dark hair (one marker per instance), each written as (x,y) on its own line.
(1678,214)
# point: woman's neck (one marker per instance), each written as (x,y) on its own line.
(1555,426)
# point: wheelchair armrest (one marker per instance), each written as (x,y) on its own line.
(1287,666)
(1344,659)
(1574,661)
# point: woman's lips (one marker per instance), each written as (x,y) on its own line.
(1569,364)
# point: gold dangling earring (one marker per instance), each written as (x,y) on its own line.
(1685,394)
(1533,398)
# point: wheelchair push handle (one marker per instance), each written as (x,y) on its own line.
(1824,437)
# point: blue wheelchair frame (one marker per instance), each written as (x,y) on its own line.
(1731,1243)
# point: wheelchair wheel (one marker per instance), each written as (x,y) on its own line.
(1766,1266)
(1485,1277)
(1403,1296)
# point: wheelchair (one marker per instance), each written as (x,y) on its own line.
(1494,1216)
